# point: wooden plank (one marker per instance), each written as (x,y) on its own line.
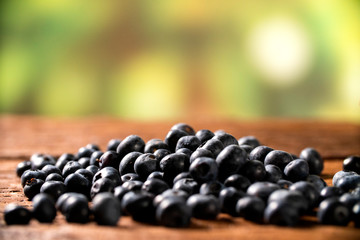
(24,135)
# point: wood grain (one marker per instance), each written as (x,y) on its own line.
(22,136)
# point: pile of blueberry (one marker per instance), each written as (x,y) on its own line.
(187,175)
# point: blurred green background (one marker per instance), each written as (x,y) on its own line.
(170,59)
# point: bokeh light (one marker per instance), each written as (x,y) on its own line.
(181,59)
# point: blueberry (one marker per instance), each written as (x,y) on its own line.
(172,138)
(84,152)
(63,159)
(254,170)
(340,174)
(293,198)
(146,164)
(352,163)
(204,134)
(70,167)
(170,193)
(132,143)
(172,165)
(75,208)
(309,191)
(95,158)
(22,167)
(109,159)
(204,169)
(60,202)
(54,188)
(247,148)
(226,138)
(278,158)
(133,185)
(281,213)
(316,163)
(189,142)
(188,185)
(84,162)
(86,173)
(259,153)
(48,169)
(155,186)
(317,181)
(228,198)
(284,184)
(44,208)
(349,182)
(273,173)
(29,174)
(139,206)
(101,185)
(108,172)
(93,146)
(130,177)
(119,192)
(76,182)
(185,151)
(214,145)
(249,140)
(181,176)
(262,189)
(203,206)
(230,160)
(161,153)
(127,163)
(332,191)
(211,188)
(184,127)
(173,212)
(32,187)
(154,144)
(200,152)
(106,209)
(38,161)
(156,174)
(54,177)
(237,181)
(14,214)
(251,208)
(113,144)
(297,170)
(349,200)
(332,211)
(356,214)
(92,168)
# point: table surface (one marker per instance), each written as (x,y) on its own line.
(21,136)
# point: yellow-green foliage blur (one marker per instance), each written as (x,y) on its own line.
(170,59)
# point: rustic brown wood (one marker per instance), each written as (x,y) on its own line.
(22,136)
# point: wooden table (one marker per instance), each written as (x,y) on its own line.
(22,136)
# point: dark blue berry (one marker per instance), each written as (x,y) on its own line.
(14,214)
(132,143)
(296,170)
(139,206)
(54,177)
(29,174)
(95,158)
(70,167)
(273,173)
(259,153)
(189,142)
(251,208)
(109,159)
(172,165)
(204,134)
(230,160)
(204,169)
(154,144)
(146,164)
(106,209)
(254,170)
(281,213)
(130,177)
(108,172)
(214,145)
(127,163)
(188,185)
(173,137)
(262,189)
(173,212)
(249,140)
(316,163)
(237,181)
(332,211)
(203,206)
(155,186)
(184,127)
(226,138)
(44,208)
(352,163)
(54,188)
(113,144)
(228,198)
(32,187)
(278,158)
(200,152)
(309,191)
(22,167)
(101,185)
(211,188)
